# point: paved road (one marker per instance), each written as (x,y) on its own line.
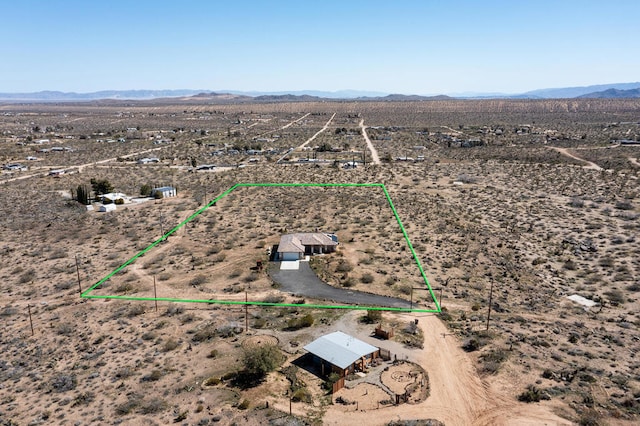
(304,282)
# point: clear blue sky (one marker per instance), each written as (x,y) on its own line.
(410,47)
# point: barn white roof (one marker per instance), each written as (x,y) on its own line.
(340,349)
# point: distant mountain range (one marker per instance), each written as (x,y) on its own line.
(617,90)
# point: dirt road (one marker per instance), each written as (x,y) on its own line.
(458,395)
(317,133)
(565,152)
(375,159)
(82,166)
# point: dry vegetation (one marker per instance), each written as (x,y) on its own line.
(527,218)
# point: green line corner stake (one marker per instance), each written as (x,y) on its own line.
(88,294)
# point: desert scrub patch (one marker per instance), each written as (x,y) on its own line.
(64,382)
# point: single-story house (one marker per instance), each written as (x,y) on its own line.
(113,197)
(295,246)
(341,353)
(166,191)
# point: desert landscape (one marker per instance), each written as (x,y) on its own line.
(523,214)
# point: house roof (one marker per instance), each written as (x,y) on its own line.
(295,243)
(340,349)
(164,188)
(290,244)
(315,239)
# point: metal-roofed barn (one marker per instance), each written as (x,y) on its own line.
(341,353)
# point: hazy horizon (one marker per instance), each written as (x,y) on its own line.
(417,48)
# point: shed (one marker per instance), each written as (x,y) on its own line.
(341,353)
(107,207)
(166,191)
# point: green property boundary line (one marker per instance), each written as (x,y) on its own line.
(87,293)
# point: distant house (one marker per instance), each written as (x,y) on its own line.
(295,246)
(57,172)
(341,353)
(166,191)
(14,167)
(148,160)
(113,197)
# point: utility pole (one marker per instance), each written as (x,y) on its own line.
(246,313)
(78,272)
(155,292)
(490,299)
(30,320)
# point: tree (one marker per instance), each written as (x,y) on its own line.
(102,186)
(260,360)
(145,190)
(82,194)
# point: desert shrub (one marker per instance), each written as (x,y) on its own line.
(251,277)
(198,280)
(590,418)
(8,311)
(235,274)
(135,310)
(154,405)
(302,322)
(123,372)
(577,202)
(212,381)
(28,276)
(635,287)
(616,297)
(124,288)
(344,266)
(532,394)
(213,354)
(134,400)
(606,262)
(173,309)
(331,379)
(205,333)
(259,323)
(471,345)
(624,205)
(372,317)
(244,404)
(214,249)
(170,345)
(302,395)
(260,360)
(367,278)
(229,330)
(153,376)
(58,254)
(348,282)
(493,360)
(64,382)
(83,398)
(64,329)
(404,288)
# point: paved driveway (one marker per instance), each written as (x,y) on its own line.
(304,282)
